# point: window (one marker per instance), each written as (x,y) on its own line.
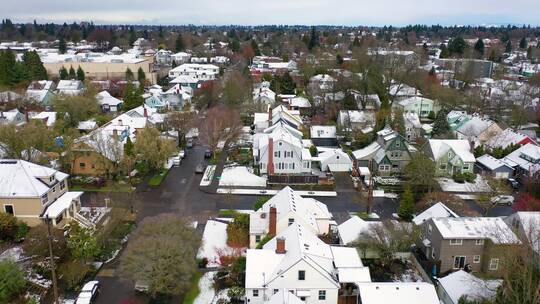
(322,294)
(429,229)
(9,209)
(456,242)
(44,198)
(82,165)
(476,259)
(301,275)
(54,189)
(257,238)
(494,264)
(459,262)
(275,154)
(293,166)
(442,167)
(291,221)
(479,242)
(255,292)
(466,167)
(397,143)
(276,291)
(62,185)
(384,167)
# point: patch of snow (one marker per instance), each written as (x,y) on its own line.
(208,175)
(14,254)
(207,292)
(409,275)
(214,243)
(479,185)
(241,176)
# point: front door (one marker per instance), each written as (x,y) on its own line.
(459,262)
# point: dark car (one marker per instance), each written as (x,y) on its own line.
(199,168)
(207,153)
(513,183)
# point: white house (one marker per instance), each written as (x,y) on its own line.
(356,120)
(418,105)
(70,87)
(109,103)
(180,57)
(525,160)
(325,136)
(297,261)
(284,209)
(463,284)
(12,117)
(413,127)
(397,292)
(264,95)
(437,210)
(201,72)
(48,118)
(333,159)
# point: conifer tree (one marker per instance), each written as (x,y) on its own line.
(63,73)
(62,47)
(479,46)
(523,43)
(80,74)
(72,74)
(141,76)
(508,48)
(406,205)
(129,75)
(179,43)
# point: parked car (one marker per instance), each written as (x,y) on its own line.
(513,183)
(182,154)
(176,161)
(207,153)
(199,168)
(502,200)
(88,293)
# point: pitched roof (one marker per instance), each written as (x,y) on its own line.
(461,147)
(491,162)
(526,157)
(437,210)
(492,228)
(506,138)
(403,293)
(461,283)
(351,229)
(19,178)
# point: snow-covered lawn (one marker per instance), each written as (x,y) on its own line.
(449,185)
(214,243)
(207,294)
(208,175)
(240,176)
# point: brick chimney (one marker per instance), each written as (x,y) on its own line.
(272,221)
(145,112)
(270,165)
(270,116)
(280,246)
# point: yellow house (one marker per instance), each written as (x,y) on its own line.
(33,193)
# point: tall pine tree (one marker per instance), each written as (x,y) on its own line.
(80,74)
(72,74)
(479,46)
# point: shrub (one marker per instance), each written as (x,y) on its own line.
(12,282)
(8,227)
(72,273)
(313,151)
(458,178)
(202,262)
(259,202)
(238,231)
(469,177)
(265,240)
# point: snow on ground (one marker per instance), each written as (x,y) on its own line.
(214,243)
(208,175)
(207,292)
(449,185)
(241,176)
(15,254)
(409,275)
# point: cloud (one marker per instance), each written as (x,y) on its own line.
(256,12)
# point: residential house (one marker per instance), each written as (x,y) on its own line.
(323,136)
(463,284)
(299,103)
(13,117)
(32,192)
(186,81)
(9,96)
(284,209)
(477,130)
(177,96)
(353,120)
(389,154)
(506,138)
(154,102)
(475,68)
(163,57)
(451,156)
(284,297)
(70,87)
(181,58)
(264,95)
(333,160)
(478,244)
(41,91)
(525,160)
(397,292)
(366,101)
(201,72)
(413,127)
(350,230)
(494,167)
(299,262)
(401,91)
(418,105)
(526,225)
(109,103)
(288,116)
(321,83)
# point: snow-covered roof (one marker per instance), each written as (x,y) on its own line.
(355,116)
(61,204)
(506,138)
(300,102)
(529,222)
(370,150)
(12,116)
(412,119)
(351,229)
(49,118)
(240,176)
(323,131)
(414,100)
(19,178)
(403,293)
(492,228)
(461,283)
(435,211)
(526,157)
(491,162)
(69,85)
(87,125)
(475,126)
(184,79)
(105,98)
(461,147)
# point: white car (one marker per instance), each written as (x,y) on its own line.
(182,154)
(176,161)
(502,200)
(88,293)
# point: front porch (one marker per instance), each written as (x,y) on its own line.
(68,207)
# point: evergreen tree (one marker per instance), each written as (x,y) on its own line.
(287,84)
(508,48)
(62,47)
(63,73)
(128,147)
(457,46)
(356,42)
(235,45)
(479,46)
(80,74)
(523,43)
(72,74)
(406,205)
(255,48)
(141,77)
(445,53)
(179,43)
(314,39)
(440,125)
(132,36)
(398,123)
(339,59)
(132,97)
(129,75)
(34,66)
(8,68)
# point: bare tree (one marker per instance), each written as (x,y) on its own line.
(181,122)
(221,124)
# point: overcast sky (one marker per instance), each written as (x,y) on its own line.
(256,12)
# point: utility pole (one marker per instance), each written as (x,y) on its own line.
(53,267)
(370,189)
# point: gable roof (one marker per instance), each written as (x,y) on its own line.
(527,157)
(491,162)
(351,229)
(461,283)
(19,178)
(461,147)
(475,126)
(529,222)
(403,293)
(506,138)
(437,210)
(284,297)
